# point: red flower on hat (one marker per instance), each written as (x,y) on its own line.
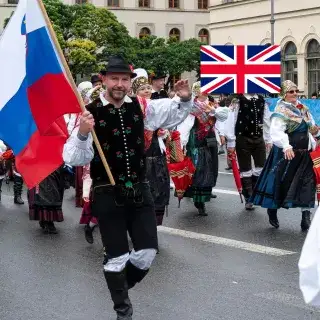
(300,106)
(131,67)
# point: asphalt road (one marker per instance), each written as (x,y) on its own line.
(230,265)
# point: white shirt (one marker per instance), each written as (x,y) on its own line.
(233,117)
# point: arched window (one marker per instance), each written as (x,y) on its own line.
(313,61)
(202,4)
(204,36)
(174,4)
(290,63)
(144,32)
(144,3)
(113,3)
(175,33)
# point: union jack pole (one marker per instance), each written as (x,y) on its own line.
(272,21)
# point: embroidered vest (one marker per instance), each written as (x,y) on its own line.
(250,117)
(121,135)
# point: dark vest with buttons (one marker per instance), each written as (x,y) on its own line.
(121,135)
(250,117)
(159,95)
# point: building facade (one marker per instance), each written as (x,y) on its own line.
(297,30)
(183,19)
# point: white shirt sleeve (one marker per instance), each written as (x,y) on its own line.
(166,113)
(278,135)
(266,124)
(184,128)
(77,152)
(230,127)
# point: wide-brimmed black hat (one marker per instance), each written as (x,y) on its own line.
(157,75)
(95,78)
(116,64)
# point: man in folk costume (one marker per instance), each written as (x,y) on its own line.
(128,206)
(158,82)
(200,139)
(288,180)
(248,133)
(156,163)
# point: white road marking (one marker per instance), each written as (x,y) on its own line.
(225,191)
(222,172)
(226,242)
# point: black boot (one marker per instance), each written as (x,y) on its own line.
(17,189)
(88,233)
(201,208)
(273,218)
(134,274)
(247,188)
(118,286)
(1,188)
(305,220)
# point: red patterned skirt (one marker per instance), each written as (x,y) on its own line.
(86,215)
(43,213)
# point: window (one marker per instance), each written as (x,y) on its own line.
(81,1)
(175,33)
(204,36)
(113,3)
(144,3)
(202,4)
(13,1)
(174,4)
(144,32)
(313,62)
(289,63)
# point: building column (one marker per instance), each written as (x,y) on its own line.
(302,74)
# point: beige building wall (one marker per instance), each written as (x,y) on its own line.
(159,18)
(248,22)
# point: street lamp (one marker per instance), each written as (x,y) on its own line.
(272,21)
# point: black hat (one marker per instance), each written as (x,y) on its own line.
(116,64)
(95,78)
(157,75)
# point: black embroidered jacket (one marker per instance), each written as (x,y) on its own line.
(121,135)
(250,117)
(159,95)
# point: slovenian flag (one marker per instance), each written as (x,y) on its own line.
(34,94)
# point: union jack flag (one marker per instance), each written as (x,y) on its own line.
(241,69)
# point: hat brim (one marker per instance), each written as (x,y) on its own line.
(105,72)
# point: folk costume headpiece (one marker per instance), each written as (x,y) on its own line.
(286,86)
(84,88)
(140,80)
(196,89)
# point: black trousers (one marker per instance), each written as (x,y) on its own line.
(119,213)
(250,147)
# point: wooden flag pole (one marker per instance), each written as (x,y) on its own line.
(75,89)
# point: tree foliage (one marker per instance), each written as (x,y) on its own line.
(88,35)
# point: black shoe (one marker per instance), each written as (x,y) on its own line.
(51,228)
(42,224)
(273,218)
(305,221)
(213,196)
(88,234)
(249,206)
(18,200)
(228,168)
